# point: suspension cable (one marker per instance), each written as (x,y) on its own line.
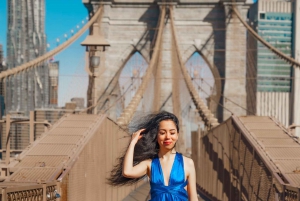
(128,112)
(283,56)
(205,113)
(224,98)
(43,58)
(116,101)
(99,100)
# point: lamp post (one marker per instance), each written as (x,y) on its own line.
(95,47)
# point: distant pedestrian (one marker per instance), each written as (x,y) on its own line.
(152,153)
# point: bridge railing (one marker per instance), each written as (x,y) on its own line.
(27,127)
(85,177)
(86,149)
(230,167)
(42,192)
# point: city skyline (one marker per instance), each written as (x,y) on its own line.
(71,60)
(26,40)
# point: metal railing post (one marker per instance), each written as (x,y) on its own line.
(44,192)
(59,191)
(4,195)
(31,126)
(7,129)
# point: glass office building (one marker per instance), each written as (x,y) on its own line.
(269,82)
(273,74)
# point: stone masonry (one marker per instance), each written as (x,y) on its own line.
(203,26)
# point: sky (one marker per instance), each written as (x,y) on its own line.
(61,18)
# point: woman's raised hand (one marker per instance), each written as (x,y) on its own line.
(129,170)
(136,136)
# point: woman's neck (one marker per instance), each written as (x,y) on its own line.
(166,153)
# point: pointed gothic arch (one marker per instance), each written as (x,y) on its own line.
(130,78)
(206,79)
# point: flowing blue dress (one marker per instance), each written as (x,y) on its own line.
(175,190)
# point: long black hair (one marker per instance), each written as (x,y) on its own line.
(146,148)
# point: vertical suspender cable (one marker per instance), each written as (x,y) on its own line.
(128,112)
(204,112)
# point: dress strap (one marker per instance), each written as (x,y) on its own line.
(156,172)
(177,175)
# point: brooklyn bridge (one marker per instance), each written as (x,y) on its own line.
(232,82)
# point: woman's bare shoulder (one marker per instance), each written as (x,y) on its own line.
(189,163)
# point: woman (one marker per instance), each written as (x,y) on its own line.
(152,152)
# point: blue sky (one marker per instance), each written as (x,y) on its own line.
(61,18)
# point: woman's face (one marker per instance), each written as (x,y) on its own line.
(167,134)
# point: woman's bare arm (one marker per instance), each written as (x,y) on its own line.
(140,169)
(191,187)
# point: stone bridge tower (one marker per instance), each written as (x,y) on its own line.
(204,26)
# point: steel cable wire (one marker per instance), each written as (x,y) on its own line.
(222,96)
(262,103)
(283,56)
(35,63)
(129,111)
(206,114)
(253,83)
(218,102)
(225,99)
(99,100)
(124,93)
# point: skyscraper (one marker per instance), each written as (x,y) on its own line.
(1,59)
(26,40)
(1,85)
(270,93)
(53,82)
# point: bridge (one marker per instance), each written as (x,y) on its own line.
(239,154)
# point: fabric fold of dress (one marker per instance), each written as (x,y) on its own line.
(175,190)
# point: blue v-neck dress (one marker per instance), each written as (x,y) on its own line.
(175,190)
